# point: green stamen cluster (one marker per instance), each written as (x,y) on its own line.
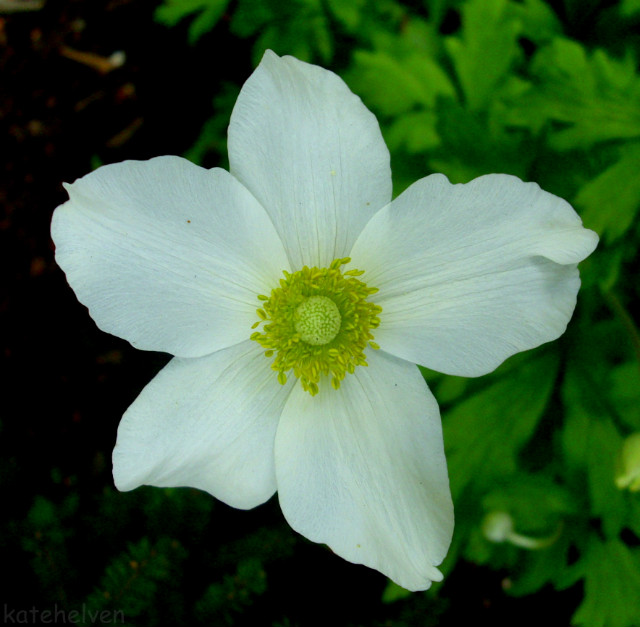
(318,323)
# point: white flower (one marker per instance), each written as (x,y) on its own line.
(177,258)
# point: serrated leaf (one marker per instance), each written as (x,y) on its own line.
(414,132)
(485,432)
(298,27)
(486,49)
(249,17)
(582,99)
(612,580)
(610,202)
(205,22)
(591,443)
(409,34)
(348,12)
(393,85)
(471,145)
(209,13)
(540,568)
(538,20)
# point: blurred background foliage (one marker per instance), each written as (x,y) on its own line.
(543,454)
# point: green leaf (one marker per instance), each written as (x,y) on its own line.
(209,17)
(591,443)
(403,83)
(414,132)
(223,602)
(624,391)
(607,501)
(45,538)
(612,580)
(542,567)
(383,83)
(486,50)
(539,508)
(296,27)
(629,7)
(471,145)
(610,202)
(394,85)
(634,516)
(582,99)
(347,12)
(449,388)
(42,514)
(133,581)
(537,503)
(174,11)
(393,592)
(538,21)
(249,17)
(603,270)
(213,134)
(485,433)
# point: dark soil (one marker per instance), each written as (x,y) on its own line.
(59,117)
(63,111)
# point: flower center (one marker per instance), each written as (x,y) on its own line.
(317,320)
(317,324)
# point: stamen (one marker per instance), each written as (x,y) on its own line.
(317,324)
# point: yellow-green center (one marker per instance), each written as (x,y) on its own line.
(317,324)
(317,320)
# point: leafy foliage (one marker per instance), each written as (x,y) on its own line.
(612,215)
(591,98)
(222,602)
(208,13)
(483,445)
(145,582)
(612,573)
(132,582)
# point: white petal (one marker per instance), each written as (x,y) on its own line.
(312,154)
(207,423)
(362,469)
(471,274)
(167,255)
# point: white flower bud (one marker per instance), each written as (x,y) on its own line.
(628,472)
(497,526)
